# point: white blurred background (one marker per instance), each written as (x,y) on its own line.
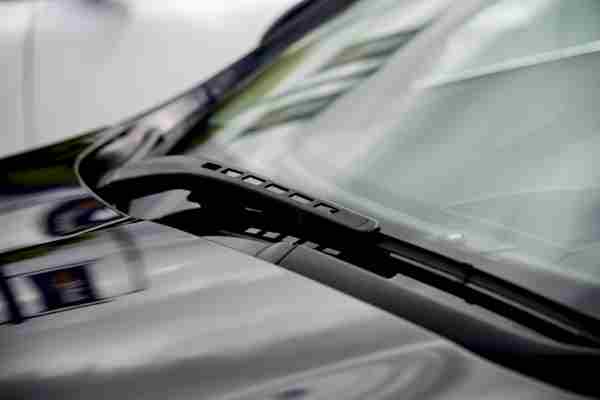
(69,66)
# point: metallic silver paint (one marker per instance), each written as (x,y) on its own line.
(215,323)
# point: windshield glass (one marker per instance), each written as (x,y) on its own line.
(477,132)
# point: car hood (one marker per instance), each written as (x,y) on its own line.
(217,323)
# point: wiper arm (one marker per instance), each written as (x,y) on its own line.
(232,195)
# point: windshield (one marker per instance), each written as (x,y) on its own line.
(478,132)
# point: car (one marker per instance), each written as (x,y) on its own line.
(382,200)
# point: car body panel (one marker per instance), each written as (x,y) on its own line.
(216,323)
(202,320)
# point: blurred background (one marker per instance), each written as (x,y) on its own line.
(70,66)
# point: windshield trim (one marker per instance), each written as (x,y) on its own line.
(363,262)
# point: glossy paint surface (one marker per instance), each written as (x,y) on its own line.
(216,323)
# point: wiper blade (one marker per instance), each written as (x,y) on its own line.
(480,288)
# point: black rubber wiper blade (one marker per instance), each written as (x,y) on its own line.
(478,287)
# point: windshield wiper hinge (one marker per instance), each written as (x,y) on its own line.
(232,199)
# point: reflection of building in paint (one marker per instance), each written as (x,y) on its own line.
(70,288)
(78,214)
(65,287)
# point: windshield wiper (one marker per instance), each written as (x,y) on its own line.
(352,255)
